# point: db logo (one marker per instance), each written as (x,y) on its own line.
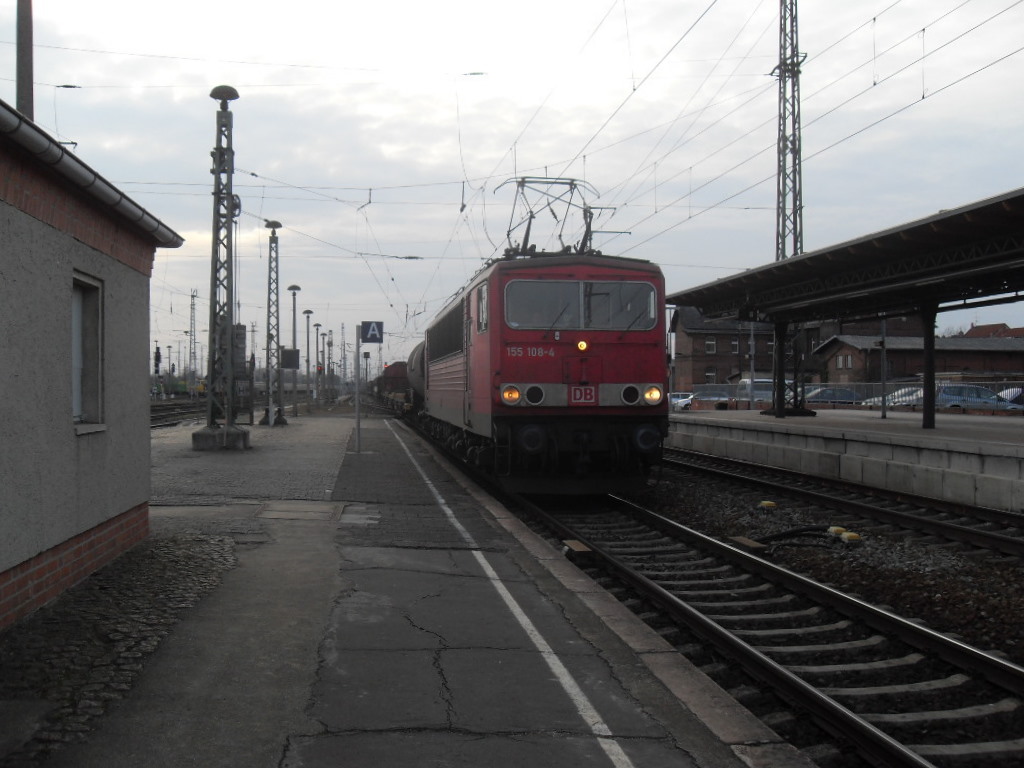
(582,396)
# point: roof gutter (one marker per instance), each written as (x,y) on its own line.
(40,145)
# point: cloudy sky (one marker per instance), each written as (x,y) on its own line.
(380,134)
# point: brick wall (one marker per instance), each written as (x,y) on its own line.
(44,195)
(35,582)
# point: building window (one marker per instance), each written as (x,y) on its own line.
(710,375)
(709,345)
(849,361)
(839,362)
(86,350)
(736,346)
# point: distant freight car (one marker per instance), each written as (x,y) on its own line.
(391,388)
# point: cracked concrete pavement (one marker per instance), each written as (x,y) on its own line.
(358,628)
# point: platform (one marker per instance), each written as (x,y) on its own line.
(969,458)
(384,613)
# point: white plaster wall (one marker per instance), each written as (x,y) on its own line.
(55,484)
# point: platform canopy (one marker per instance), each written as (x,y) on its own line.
(957,259)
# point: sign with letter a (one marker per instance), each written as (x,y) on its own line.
(371,333)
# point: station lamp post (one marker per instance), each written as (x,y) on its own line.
(319,382)
(307,313)
(329,366)
(220,389)
(324,380)
(295,346)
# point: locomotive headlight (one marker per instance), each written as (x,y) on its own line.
(510,394)
(653,394)
(581,345)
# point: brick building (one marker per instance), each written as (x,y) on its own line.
(75,262)
(993,330)
(852,358)
(718,351)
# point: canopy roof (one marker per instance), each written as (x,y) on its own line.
(958,259)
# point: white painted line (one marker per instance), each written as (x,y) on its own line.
(572,689)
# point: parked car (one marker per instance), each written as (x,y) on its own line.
(951,396)
(720,396)
(679,401)
(902,396)
(762,390)
(1013,394)
(964,396)
(834,395)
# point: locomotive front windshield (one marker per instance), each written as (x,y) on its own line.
(579,304)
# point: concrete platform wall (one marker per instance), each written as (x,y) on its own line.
(964,471)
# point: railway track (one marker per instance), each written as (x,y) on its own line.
(867,509)
(850,684)
(168,413)
(896,693)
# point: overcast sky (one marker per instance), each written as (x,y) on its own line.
(379,131)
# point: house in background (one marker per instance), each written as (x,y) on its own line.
(75,262)
(848,358)
(719,351)
(993,331)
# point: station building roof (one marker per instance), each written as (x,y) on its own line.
(957,259)
(20,134)
(916,343)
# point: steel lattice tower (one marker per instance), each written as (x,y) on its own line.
(275,409)
(344,355)
(192,361)
(220,390)
(789,234)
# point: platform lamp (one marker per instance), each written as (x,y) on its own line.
(324,379)
(307,313)
(295,345)
(316,337)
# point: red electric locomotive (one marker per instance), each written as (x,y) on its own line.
(549,370)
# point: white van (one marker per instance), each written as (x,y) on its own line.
(763,389)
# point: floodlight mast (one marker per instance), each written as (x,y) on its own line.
(220,390)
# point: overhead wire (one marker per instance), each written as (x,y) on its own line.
(836,143)
(476,204)
(692,117)
(635,224)
(637,87)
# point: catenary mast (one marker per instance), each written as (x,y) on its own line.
(789,234)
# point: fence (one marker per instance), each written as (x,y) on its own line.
(986,396)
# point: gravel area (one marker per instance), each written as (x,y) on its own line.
(62,666)
(978,599)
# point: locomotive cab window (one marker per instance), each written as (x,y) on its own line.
(481,308)
(619,306)
(542,304)
(576,305)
